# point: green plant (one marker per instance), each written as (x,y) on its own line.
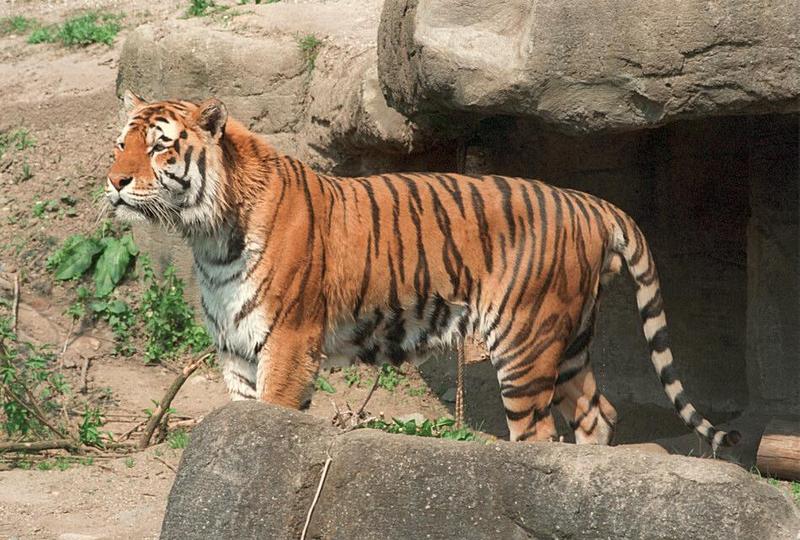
(352,376)
(169,321)
(15,25)
(121,319)
(20,139)
(442,428)
(107,257)
(27,174)
(323,384)
(417,392)
(42,207)
(129,462)
(309,48)
(44,465)
(88,430)
(83,30)
(43,34)
(178,439)
(794,487)
(90,28)
(30,390)
(389,378)
(199,8)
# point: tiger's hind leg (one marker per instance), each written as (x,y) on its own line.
(527,383)
(590,415)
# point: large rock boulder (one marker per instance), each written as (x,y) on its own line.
(590,66)
(304,75)
(252,470)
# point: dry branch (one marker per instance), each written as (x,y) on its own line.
(163,405)
(15,305)
(39,446)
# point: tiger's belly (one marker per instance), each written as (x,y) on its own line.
(382,335)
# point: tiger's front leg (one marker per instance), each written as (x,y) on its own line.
(288,364)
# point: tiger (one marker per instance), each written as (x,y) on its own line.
(293,264)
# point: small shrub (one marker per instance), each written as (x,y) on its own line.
(323,384)
(31,390)
(27,173)
(389,378)
(89,429)
(129,462)
(309,48)
(178,439)
(441,429)
(90,28)
(20,139)
(169,321)
(80,31)
(352,376)
(199,8)
(15,25)
(43,34)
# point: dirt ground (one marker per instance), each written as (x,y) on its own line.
(65,98)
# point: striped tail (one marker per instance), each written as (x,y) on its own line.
(634,249)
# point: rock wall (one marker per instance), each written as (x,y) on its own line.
(252,471)
(590,66)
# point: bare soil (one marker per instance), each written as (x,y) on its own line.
(65,98)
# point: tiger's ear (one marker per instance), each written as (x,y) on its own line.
(211,116)
(132,101)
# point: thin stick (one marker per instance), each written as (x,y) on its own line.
(38,446)
(163,405)
(15,305)
(316,497)
(170,467)
(84,374)
(66,341)
(128,433)
(366,400)
(459,409)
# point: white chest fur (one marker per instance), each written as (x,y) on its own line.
(233,317)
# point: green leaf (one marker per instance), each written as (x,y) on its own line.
(78,260)
(324,385)
(127,241)
(110,267)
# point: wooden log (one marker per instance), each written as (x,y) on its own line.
(779,450)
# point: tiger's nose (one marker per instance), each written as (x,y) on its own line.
(120,182)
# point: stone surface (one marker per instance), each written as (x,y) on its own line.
(251,471)
(324,106)
(582,67)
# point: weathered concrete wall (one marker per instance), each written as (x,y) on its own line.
(252,470)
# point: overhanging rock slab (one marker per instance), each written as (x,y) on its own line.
(590,66)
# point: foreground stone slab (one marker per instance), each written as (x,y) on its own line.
(590,66)
(251,471)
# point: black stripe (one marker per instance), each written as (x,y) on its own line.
(660,340)
(668,375)
(376,214)
(508,210)
(483,227)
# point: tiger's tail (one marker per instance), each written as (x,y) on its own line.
(632,246)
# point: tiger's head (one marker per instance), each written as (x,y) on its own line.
(168,163)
